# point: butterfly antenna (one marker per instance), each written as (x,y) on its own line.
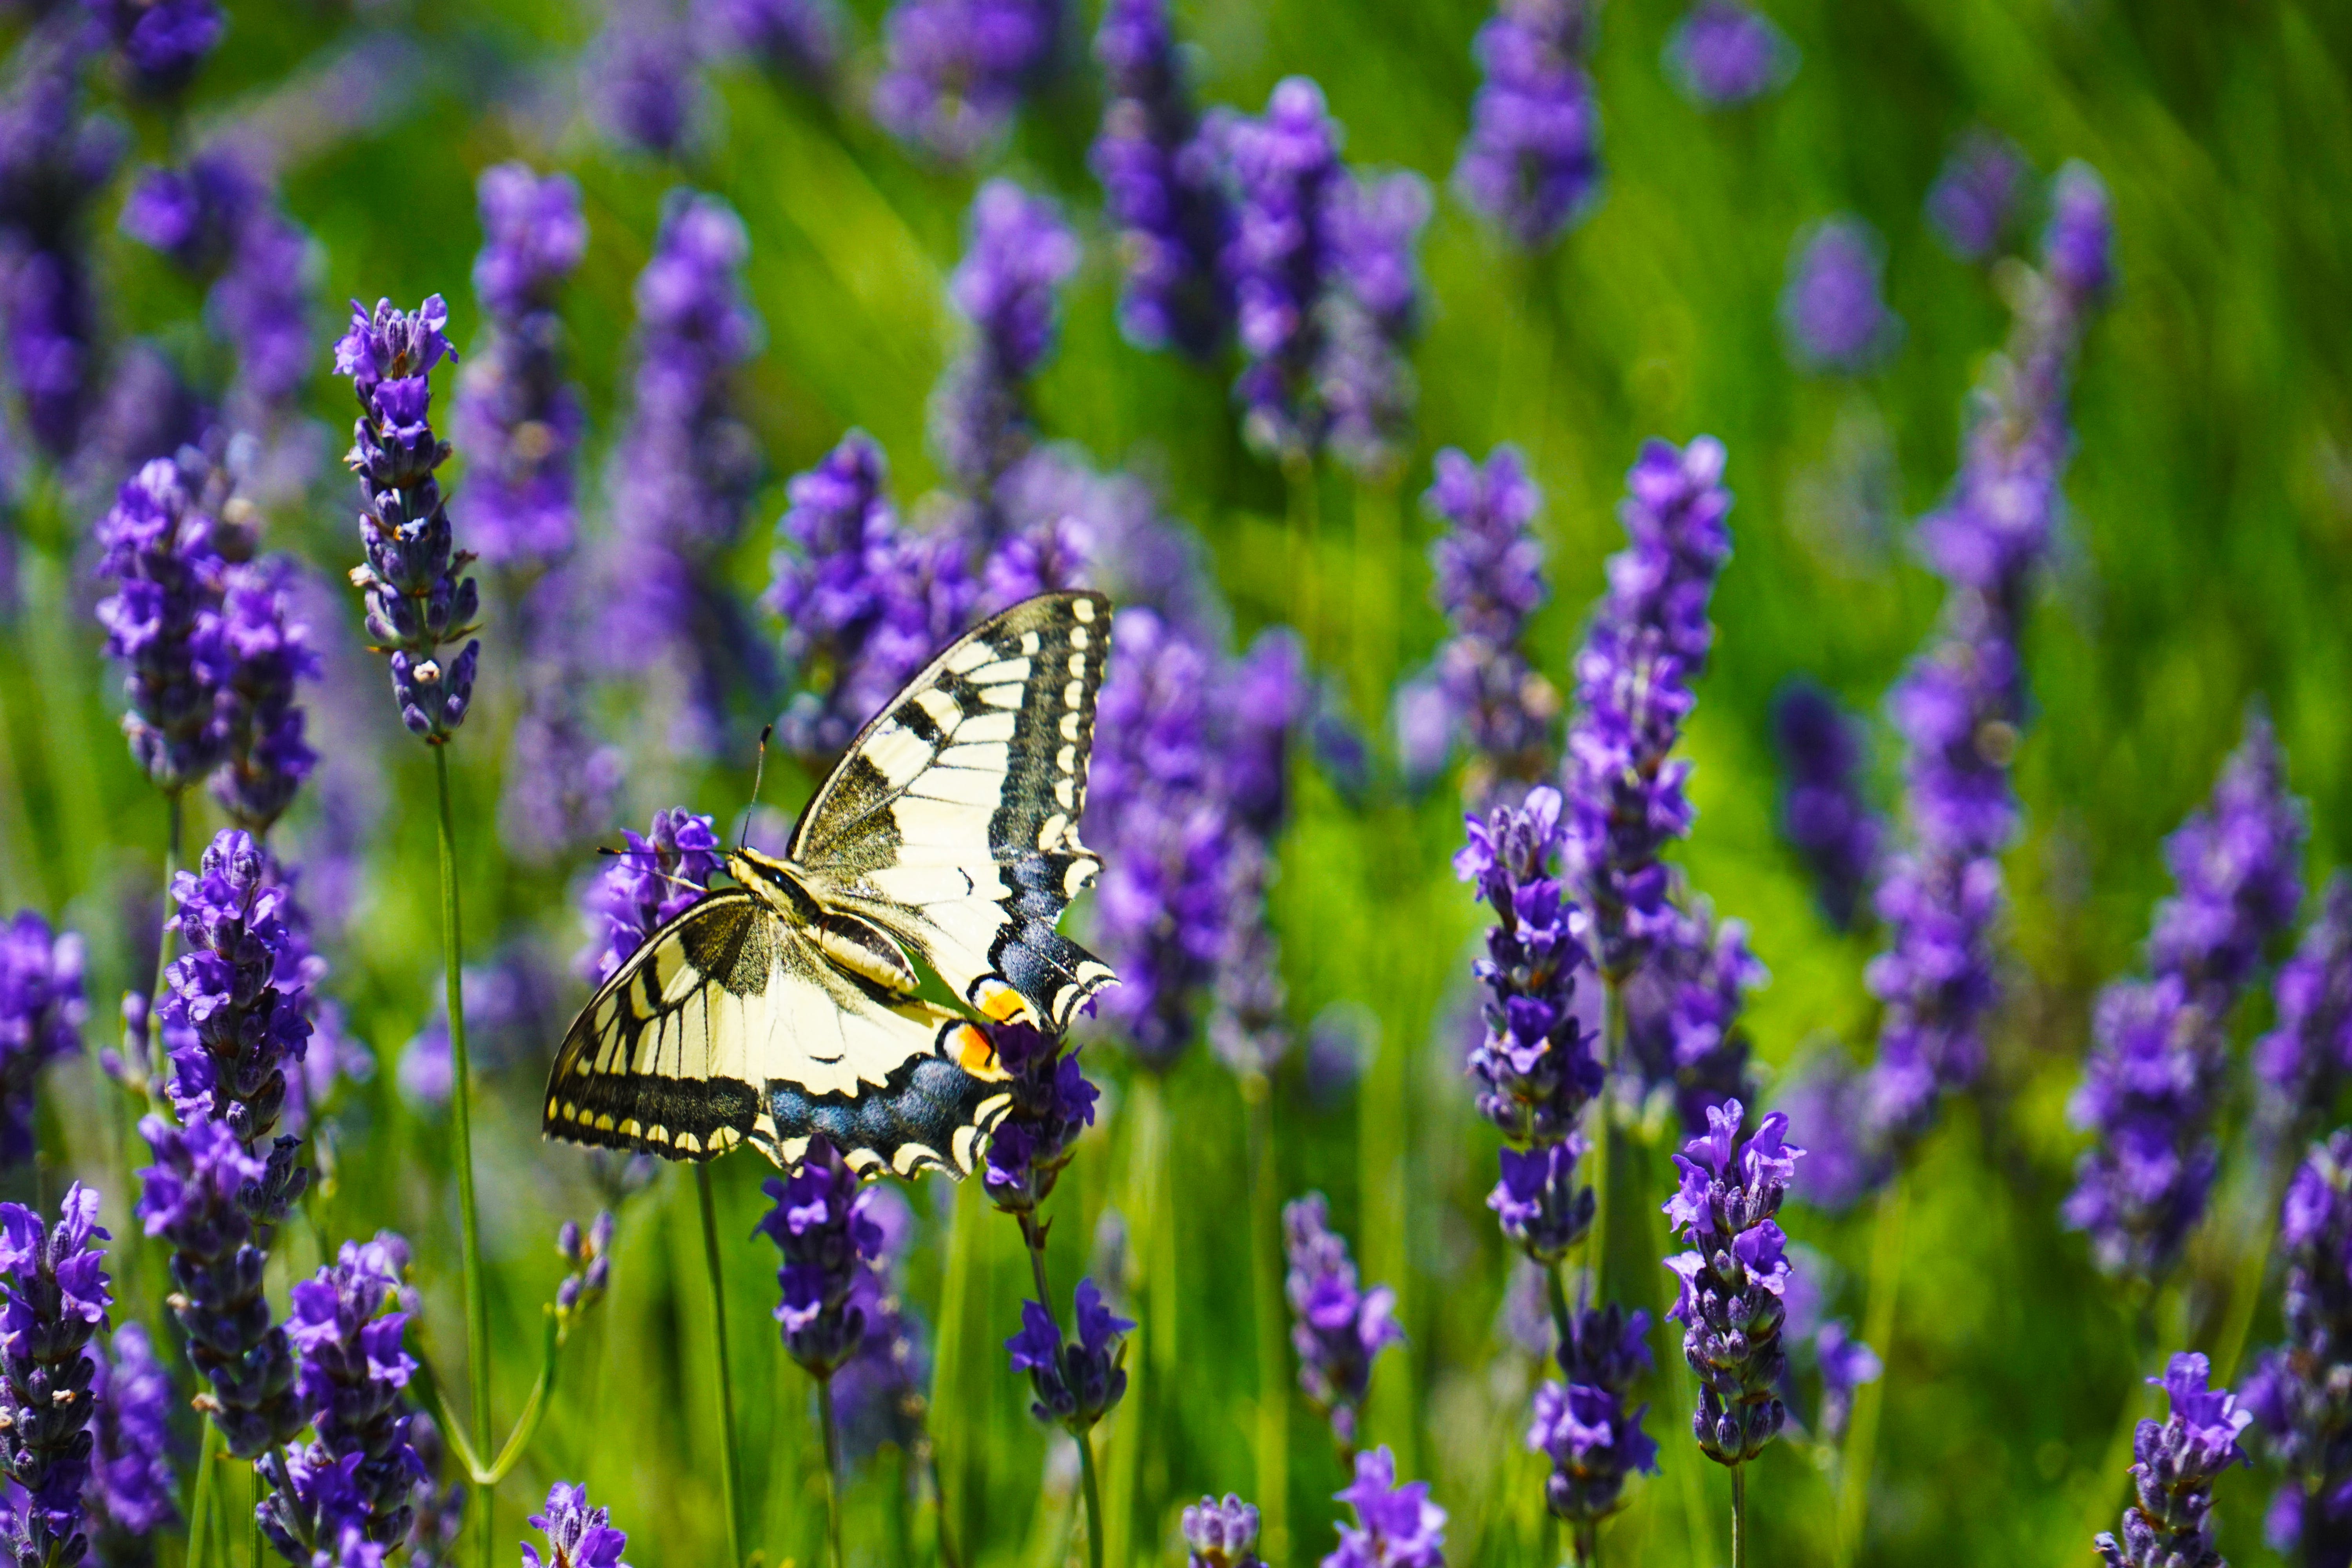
(759,771)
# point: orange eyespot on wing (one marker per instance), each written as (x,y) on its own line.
(974,1054)
(1000,1004)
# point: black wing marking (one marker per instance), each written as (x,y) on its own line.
(728,1026)
(953,821)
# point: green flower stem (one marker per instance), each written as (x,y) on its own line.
(1878,1330)
(1035,1235)
(477,1306)
(730,1468)
(175,818)
(832,1469)
(1265,1278)
(200,1507)
(1738,1516)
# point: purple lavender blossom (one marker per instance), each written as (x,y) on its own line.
(1153,806)
(1262,702)
(1531,162)
(1340,1328)
(1648,640)
(163,42)
(1733,1280)
(1396,1526)
(1160,179)
(511,1003)
(54,160)
(264,651)
(683,475)
(1832,314)
(1845,1363)
(1221,1534)
(418,598)
(643,80)
(1824,813)
(192,215)
(801,39)
(231,1026)
(133,1491)
(1682,1033)
(1370,312)
(650,882)
(1588,1425)
(820,1225)
(1533,1063)
(865,602)
(1962,704)
(42,1009)
(591,1257)
(2161,1045)
(518,418)
(2299,1391)
(1722,54)
(1282,165)
(563,779)
(2176,1463)
(1973,205)
(1077,1382)
(877,1393)
(355,1370)
(2302,1062)
(1489,578)
(2078,242)
(57,1295)
(955,73)
(203,1195)
(1019,252)
(164,623)
(578,1536)
(1053,1103)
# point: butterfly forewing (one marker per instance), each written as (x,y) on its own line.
(730,1026)
(953,821)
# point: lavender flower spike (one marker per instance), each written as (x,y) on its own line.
(1077,1382)
(1724,54)
(651,882)
(1341,1328)
(1396,1526)
(1832,313)
(1283,165)
(1053,1103)
(1531,162)
(1823,814)
(1021,252)
(1733,1280)
(954,71)
(42,1009)
(55,1296)
(2300,1392)
(1589,1427)
(2301,1063)
(2175,1465)
(232,1028)
(418,598)
(1221,1534)
(578,1536)
(1489,579)
(265,651)
(131,1479)
(163,623)
(1973,203)
(820,1223)
(1158,173)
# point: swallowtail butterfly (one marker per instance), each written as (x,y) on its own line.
(786,1006)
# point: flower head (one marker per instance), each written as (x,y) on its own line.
(1158,175)
(1396,1526)
(2175,1465)
(1020,254)
(955,72)
(2308,1052)
(1973,205)
(1338,1327)
(1824,813)
(651,882)
(1832,312)
(42,1009)
(1053,1103)
(1076,1383)
(820,1223)
(1588,1426)
(2299,1391)
(54,1298)
(578,1536)
(1221,1534)
(231,1027)
(133,1483)
(1531,162)
(163,623)
(163,42)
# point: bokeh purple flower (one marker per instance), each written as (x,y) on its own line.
(1221,1534)
(1682,1037)
(1159,178)
(2301,1063)
(955,73)
(1824,814)
(1531,161)
(55,1295)
(1283,165)
(798,39)
(1019,252)
(133,1486)
(2175,1465)
(43,1006)
(1974,204)
(643,78)
(1723,54)
(2161,1046)
(1733,1279)
(1339,1328)
(2300,1392)
(1832,313)
(161,42)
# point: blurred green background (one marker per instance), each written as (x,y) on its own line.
(2204,562)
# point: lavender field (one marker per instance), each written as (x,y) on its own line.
(1716,793)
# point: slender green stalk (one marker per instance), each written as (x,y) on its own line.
(1738,1516)
(832,1469)
(477,1306)
(200,1509)
(1273,1354)
(1035,1235)
(1587,1545)
(948,1558)
(174,857)
(1878,1328)
(730,1467)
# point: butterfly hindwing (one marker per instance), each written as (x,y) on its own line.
(952,822)
(728,1026)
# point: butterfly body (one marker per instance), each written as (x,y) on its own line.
(789,1005)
